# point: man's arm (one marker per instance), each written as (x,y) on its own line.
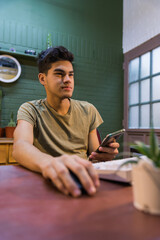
(107,153)
(54,168)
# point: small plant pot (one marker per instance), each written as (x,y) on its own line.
(2,132)
(146,187)
(9,131)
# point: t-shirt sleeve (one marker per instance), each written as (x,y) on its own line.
(95,118)
(27,112)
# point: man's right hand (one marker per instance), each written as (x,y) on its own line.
(57,170)
(54,168)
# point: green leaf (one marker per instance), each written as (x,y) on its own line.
(11,122)
(143,149)
(152,151)
(154,145)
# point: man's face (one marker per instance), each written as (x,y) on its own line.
(59,81)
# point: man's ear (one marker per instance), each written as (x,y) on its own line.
(42,77)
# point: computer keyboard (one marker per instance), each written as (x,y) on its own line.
(111,170)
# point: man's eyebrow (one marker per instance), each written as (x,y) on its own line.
(60,70)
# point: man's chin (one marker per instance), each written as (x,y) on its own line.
(67,96)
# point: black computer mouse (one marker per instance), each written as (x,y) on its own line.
(77,181)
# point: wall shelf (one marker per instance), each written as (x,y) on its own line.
(18,54)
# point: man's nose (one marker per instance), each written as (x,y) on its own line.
(66,78)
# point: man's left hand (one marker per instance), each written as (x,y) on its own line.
(107,153)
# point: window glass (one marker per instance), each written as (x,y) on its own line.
(145,65)
(145,116)
(156,88)
(156,60)
(156,115)
(145,91)
(134,117)
(133,93)
(133,69)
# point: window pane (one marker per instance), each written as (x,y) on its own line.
(145,116)
(133,93)
(145,65)
(156,115)
(133,70)
(145,90)
(156,88)
(133,117)
(156,60)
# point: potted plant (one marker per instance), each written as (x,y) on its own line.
(146,176)
(11,127)
(1,131)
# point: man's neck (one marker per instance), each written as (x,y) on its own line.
(60,106)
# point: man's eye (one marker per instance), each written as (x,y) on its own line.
(59,74)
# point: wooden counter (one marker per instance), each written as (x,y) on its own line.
(6,146)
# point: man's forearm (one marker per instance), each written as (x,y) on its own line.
(29,156)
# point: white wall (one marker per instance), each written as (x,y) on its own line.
(141,22)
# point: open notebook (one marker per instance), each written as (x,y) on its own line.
(110,170)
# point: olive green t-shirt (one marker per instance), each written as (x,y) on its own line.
(56,134)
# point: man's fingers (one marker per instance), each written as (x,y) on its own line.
(108,150)
(103,156)
(91,171)
(106,154)
(62,171)
(52,175)
(67,180)
(114,145)
(80,168)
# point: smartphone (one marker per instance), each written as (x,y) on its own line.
(110,138)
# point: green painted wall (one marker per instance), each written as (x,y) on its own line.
(91,29)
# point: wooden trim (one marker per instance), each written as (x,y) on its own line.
(143,48)
(6,140)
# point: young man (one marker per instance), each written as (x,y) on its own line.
(55,134)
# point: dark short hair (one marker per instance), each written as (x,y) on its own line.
(51,55)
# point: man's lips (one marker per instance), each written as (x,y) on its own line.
(67,87)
